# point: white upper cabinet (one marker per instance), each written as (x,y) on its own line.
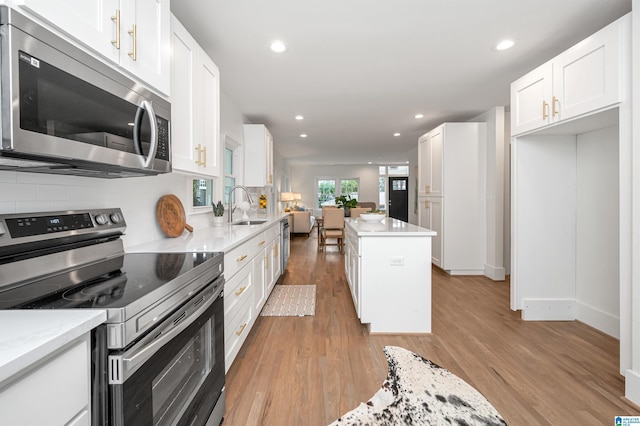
(133,34)
(195,111)
(430,160)
(145,41)
(258,155)
(584,79)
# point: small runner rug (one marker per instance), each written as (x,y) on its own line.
(291,301)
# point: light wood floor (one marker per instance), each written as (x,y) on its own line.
(309,371)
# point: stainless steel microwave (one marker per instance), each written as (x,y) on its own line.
(66,112)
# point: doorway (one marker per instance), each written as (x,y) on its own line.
(399,198)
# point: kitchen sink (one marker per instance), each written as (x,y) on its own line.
(251,222)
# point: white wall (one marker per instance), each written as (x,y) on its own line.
(597,245)
(413,185)
(303,180)
(494,174)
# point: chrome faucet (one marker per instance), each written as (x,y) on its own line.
(231,208)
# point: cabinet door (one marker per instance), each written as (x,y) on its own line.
(259,280)
(424,166)
(195,101)
(586,77)
(436,218)
(436,152)
(208,117)
(258,158)
(277,266)
(184,77)
(424,215)
(88,21)
(530,98)
(145,41)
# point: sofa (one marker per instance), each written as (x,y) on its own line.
(301,222)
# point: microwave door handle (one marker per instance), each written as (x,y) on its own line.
(137,129)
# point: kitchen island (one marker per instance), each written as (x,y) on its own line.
(388,268)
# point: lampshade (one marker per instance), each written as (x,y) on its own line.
(286,196)
(297,196)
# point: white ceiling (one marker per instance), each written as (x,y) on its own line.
(359,70)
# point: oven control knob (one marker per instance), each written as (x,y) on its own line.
(102,219)
(116,217)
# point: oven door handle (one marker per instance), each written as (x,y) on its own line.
(122,366)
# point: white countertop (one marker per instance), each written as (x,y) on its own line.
(387,227)
(27,336)
(216,238)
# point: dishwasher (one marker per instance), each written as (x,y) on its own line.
(284,247)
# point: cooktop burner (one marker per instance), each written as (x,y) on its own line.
(113,283)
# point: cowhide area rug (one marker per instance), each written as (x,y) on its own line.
(419,392)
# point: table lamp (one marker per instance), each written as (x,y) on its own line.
(286,197)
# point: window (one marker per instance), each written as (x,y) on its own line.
(398,170)
(202,192)
(350,187)
(385,171)
(382,198)
(229,173)
(326,192)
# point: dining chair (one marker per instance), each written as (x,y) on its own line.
(356,211)
(332,228)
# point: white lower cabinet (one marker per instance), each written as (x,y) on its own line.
(35,398)
(352,263)
(251,271)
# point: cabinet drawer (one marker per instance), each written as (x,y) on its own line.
(243,254)
(237,289)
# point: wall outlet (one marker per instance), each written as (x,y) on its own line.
(397,261)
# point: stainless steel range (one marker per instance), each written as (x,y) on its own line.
(159,358)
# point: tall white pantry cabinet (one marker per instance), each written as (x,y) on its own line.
(451,195)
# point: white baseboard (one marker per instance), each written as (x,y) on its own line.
(548,309)
(598,319)
(632,386)
(464,271)
(496,273)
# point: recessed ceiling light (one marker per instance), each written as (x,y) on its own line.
(418,116)
(406,162)
(299,117)
(304,135)
(369,162)
(505,44)
(396,134)
(278,46)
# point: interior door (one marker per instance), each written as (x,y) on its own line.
(399,198)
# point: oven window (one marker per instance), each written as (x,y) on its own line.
(177,384)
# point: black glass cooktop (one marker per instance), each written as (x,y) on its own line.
(113,283)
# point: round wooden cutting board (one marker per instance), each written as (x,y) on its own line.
(171,216)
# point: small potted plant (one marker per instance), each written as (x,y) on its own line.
(346,202)
(218,213)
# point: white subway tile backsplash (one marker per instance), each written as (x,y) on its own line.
(35,206)
(52,192)
(7,207)
(34,178)
(8,177)
(17,192)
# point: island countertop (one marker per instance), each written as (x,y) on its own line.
(387,227)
